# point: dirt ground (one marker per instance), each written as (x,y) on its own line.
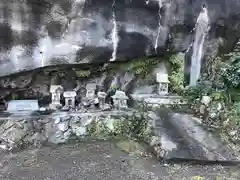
(100,161)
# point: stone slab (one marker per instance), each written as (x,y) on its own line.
(203,144)
(22,105)
(155,99)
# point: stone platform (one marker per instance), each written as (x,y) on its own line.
(170,136)
(57,127)
(156,100)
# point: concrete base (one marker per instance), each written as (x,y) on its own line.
(155,99)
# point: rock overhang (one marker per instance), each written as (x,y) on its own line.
(92,28)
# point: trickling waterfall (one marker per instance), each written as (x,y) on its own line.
(16,23)
(201,29)
(77,9)
(115,38)
(43,52)
(2,12)
(15,53)
(159,24)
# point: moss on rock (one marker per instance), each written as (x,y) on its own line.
(83,73)
(140,67)
(130,146)
(129,127)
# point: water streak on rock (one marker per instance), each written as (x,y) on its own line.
(14,55)
(114,36)
(201,29)
(77,10)
(43,52)
(16,24)
(159,24)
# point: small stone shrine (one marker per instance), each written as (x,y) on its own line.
(16,106)
(90,100)
(56,91)
(162,79)
(69,99)
(120,100)
(91,88)
(102,97)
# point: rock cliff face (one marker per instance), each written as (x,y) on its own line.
(37,33)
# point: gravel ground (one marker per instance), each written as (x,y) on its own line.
(99,161)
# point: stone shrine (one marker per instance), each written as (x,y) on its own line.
(120,100)
(56,91)
(90,100)
(90,94)
(16,106)
(162,79)
(69,99)
(102,97)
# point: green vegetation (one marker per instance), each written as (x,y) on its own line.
(177,75)
(14,96)
(114,88)
(83,73)
(221,82)
(140,67)
(132,127)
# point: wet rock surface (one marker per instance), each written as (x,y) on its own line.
(67,31)
(183,137)
(99,160)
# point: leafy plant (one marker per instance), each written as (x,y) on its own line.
(236,109)
(177,76)
(140,67)
(230,72)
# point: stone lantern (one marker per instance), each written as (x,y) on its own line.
(120,100)
(162,79)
